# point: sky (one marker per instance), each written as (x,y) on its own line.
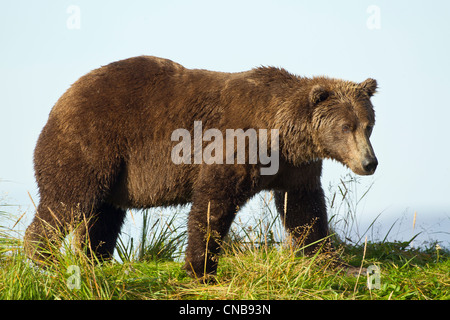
(45,46)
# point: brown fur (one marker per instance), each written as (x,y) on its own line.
(107,147)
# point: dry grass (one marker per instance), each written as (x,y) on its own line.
(258,262)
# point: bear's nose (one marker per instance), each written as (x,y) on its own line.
(370,164)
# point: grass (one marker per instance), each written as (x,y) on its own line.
(258,262)
(247,274)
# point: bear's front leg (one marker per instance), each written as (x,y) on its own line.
(209,222)
(218,193)
(303,213)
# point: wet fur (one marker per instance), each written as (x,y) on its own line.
(106,147)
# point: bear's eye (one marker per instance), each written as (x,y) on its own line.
(346,128)
(369,130)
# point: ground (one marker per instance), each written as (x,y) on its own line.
(258,262)
(246,272)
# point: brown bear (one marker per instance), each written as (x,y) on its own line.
(109,145)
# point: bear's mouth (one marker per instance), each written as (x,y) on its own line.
(366,167)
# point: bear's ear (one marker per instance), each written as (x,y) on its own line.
(370,86)
(318,94)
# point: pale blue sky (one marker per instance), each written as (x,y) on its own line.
(408,55)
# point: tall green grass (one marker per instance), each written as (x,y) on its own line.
(258,262)
(161,238)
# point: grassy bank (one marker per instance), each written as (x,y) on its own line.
(258,262)
(247,270)
(263,273)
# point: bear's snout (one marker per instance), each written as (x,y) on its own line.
(370,164)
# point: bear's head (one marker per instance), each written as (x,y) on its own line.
(342,119)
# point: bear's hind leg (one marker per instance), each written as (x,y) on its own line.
(103,229)
(44,235)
